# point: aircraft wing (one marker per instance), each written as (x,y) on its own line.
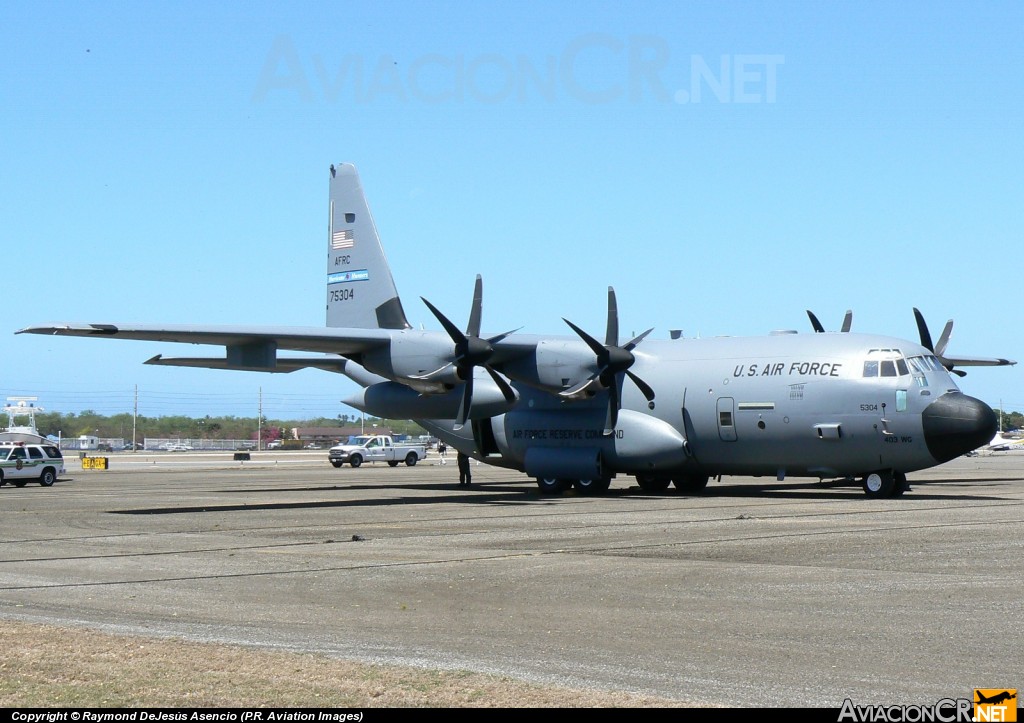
(248,347)
(254,348)
(975,361)
(311,339)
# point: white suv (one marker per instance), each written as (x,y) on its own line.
(21,462)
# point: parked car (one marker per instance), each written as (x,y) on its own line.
(178,448)
(20,462)
(275,444)
(314,445)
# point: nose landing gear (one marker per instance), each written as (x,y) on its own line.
(885,483)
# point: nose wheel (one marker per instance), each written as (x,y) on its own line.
(885,483)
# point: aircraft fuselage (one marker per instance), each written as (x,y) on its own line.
(810,405)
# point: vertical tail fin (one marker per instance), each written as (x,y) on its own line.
(360,289)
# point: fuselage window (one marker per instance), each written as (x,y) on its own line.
(725,419)
(870,369)
(901,367)
(888,368)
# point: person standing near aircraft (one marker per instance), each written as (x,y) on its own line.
(465,475)
(442,452)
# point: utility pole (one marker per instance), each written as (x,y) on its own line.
(135,419)
(259,424)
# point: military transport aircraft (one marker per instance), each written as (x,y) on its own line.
(578,410)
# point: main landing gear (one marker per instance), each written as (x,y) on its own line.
(885,483)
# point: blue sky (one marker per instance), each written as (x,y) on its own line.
(724,166)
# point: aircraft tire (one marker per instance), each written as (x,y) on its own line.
(355,460)
(879,484)
(596,486)
(652,483)
(900,484)
(48,477)
(552,485)
(411,459)
(691,483)
(336,464)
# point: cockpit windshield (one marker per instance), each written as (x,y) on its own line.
(885,363)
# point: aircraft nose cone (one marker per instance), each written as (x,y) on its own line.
(955,423)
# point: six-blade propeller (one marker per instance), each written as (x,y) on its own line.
(613,363)
(472,351)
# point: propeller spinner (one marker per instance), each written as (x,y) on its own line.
(613,363)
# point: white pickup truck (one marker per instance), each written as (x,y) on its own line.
(375,448)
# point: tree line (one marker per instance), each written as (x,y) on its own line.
(181,427)
(120,426)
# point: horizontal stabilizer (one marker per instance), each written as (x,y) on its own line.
(282,365)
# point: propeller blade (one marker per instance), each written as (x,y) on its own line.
(453,331)
(818,328)
(506,389)
(947,332)
(473,328)
(431,375)
(499,337)
(580,390)
(611,337)
(594,344)
(636,340)
(612,418)
(922,329)
(465,403)
(643,386)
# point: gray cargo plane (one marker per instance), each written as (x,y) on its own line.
(577,411)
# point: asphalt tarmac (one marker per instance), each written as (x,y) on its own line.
(756,593)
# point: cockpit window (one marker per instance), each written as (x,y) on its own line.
(886,363)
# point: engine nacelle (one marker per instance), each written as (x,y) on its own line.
(392,400)
(555,365)
(419,358)
(640,442)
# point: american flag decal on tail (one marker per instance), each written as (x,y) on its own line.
(342,239)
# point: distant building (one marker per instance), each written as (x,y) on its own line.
(332,435)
